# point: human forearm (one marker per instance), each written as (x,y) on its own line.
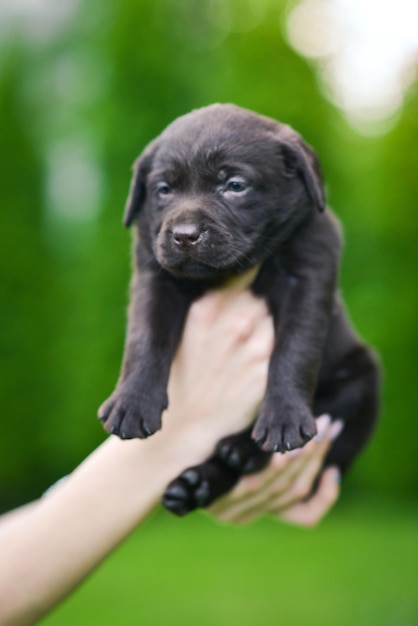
(56,543)
(217,380)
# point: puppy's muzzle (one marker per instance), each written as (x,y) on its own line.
(187,234)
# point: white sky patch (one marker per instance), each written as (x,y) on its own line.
(366,51)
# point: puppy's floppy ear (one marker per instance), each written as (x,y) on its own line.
(300,159)
(137,189)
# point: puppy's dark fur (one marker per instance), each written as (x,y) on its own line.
(220,191)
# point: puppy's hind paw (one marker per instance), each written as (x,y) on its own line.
(187,492)
(241,454)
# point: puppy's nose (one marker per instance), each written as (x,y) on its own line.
(186,234)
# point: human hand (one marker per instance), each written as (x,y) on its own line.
(282,489)
(219,374)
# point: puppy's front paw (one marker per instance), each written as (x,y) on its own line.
(281,427)
(125,415)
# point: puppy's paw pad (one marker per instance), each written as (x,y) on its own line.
(232,455)
(187,492)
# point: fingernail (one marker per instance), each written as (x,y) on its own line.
(335,430)
(336,474)
(322,424)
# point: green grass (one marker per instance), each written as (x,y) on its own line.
(358,568)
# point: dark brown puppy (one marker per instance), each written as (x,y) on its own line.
(222,190)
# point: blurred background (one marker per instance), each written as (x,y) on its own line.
(83,87)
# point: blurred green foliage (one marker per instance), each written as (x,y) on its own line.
(95,93)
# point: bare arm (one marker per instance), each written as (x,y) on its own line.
(49,547)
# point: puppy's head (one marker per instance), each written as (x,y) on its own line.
(220,190)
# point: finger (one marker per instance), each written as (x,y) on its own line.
(259,343)
(307,513)
(253,506)
(288,478)
(310,512)
(243,325)
(251,342)
(284,467)
(255,494)
(232,325)
(299,463)
(327,432)
(252,491)
(305,476)
(255,491)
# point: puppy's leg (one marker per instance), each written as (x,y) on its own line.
(300,296)
(200,485)
(156,318)
(353,397)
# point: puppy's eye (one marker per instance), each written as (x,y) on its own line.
(163,189)
(236,185)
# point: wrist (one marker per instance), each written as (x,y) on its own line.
(172,450)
